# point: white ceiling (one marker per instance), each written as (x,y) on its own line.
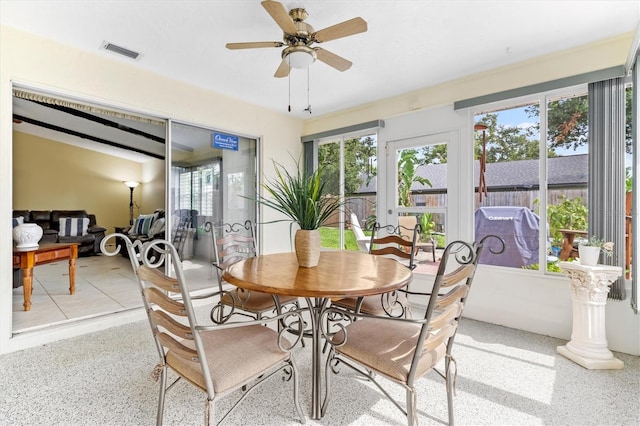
(409,44)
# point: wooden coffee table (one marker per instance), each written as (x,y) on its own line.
(27,258)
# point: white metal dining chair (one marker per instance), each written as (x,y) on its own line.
(217,359)
(404,350)
(387,241)
(233,242)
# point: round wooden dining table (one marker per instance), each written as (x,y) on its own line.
(339,274)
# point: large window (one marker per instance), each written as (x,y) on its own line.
(198,187)
(349,164)
(532,194)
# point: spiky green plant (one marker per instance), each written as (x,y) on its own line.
(300,197)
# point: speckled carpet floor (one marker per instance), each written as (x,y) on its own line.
(505,377)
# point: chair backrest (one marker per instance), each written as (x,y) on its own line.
(232,242)
(361,238)
(388,241)
(181,338)
(448,296)
(157,289)
(406,225)
(445,303)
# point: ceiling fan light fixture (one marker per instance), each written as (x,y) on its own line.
(299,56)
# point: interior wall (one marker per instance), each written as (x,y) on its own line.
(152,186)
(50,175)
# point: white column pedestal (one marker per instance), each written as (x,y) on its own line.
(589,288)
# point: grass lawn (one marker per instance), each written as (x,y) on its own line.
(330,238)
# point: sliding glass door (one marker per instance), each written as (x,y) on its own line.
(74,155)
(212,179)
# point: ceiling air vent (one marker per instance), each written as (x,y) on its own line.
(120,50)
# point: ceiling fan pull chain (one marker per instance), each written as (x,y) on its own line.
(289,77)
(308,108)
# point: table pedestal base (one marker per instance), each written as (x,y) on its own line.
(591,363)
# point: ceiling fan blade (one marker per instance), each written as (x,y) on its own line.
(280,15)
(254,45)
(344,29)
(331,59)
(283,70)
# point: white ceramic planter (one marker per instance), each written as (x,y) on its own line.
(589,255)
(27,235)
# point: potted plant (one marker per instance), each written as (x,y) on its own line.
(427,227)
(589,250)
(300,196)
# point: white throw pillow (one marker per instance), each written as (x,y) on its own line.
(142,224)
(73,226)
(156,228)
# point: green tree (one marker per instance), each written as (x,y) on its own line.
(568,121)
(566,214)
(359,166)
(434,154)
(506,143)
(408,164)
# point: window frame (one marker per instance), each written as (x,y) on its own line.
(341,138)
(542,98)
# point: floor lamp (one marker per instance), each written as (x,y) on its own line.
(131,185)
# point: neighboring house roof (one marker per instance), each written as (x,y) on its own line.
(572,170)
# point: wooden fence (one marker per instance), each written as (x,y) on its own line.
(365,205)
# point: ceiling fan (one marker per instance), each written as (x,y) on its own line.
(300,36)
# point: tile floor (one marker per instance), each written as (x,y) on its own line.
(104,285)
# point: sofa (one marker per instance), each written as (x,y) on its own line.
(88,237)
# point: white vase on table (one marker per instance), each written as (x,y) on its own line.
(27,235)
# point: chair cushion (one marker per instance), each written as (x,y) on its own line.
(73,226)
(235,356)
(86,239)
(41,216)
(19,220)
(254,301)
(26,215)
(387,347)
